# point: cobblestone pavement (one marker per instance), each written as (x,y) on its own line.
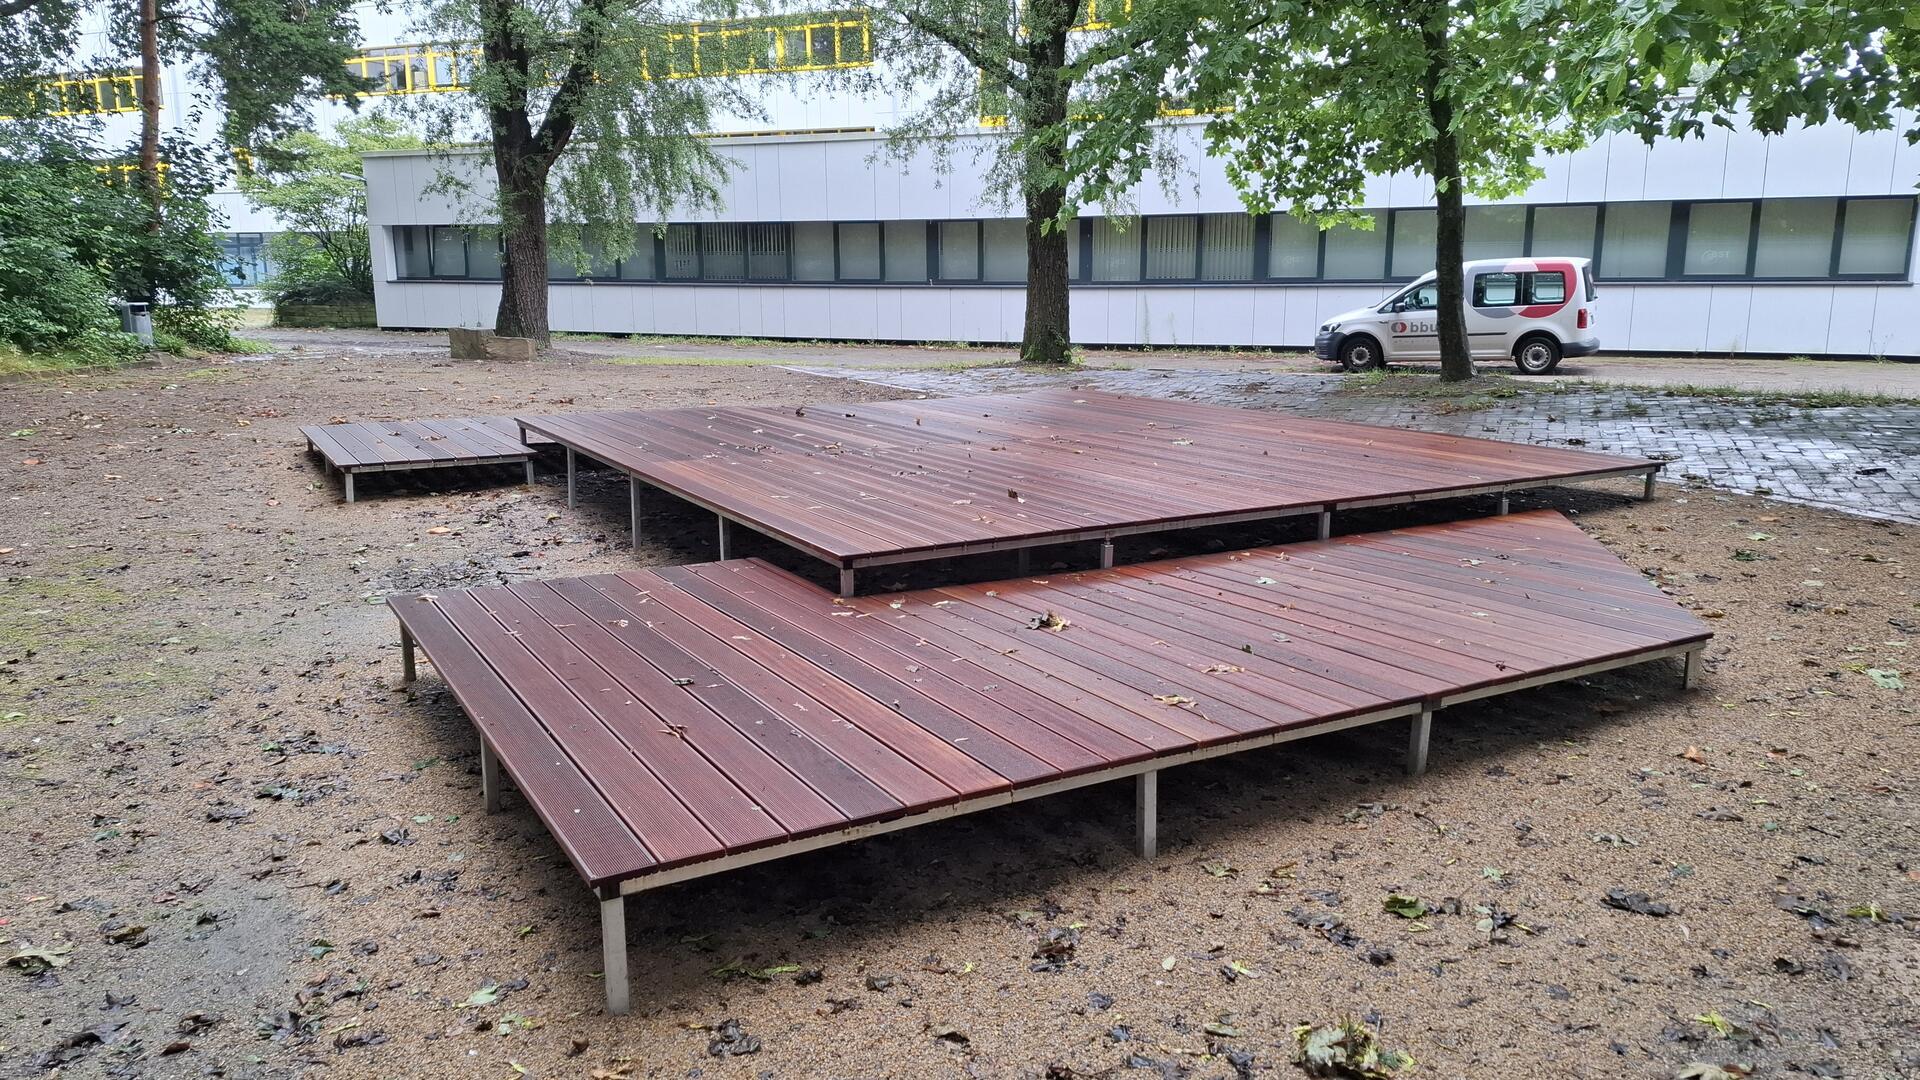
(1862,460)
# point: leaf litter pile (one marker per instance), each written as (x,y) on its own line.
(242,849)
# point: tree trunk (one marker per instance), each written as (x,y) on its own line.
(150,134)
(1456,361)
(1046,337)
(523,268)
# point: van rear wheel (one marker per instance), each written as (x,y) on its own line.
(1537,355)
(1361,354)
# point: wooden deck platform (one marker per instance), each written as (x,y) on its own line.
(907,481)
(403,445)
(671,723)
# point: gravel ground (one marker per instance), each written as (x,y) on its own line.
(247,852)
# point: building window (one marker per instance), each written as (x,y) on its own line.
(812,251)
(638,264)
(1173,248)
(1293,248)
(1356,254)
(1718,237)
(1226,247)
(959,251)
(906,250)
(1116,252)
(243,259)
(1003,246)
(682,247)
(1495,232)
(767,252)
(484,249)
(449,251)
(1796,238)
(1564,230)
(1634,244)
(1413,242)
(1875,237)
(859,245)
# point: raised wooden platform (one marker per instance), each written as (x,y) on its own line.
(908,481)
(671,723)
(403,445)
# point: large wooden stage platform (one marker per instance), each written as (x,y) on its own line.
(677,722)
(908,481)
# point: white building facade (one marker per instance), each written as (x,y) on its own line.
(1730,244)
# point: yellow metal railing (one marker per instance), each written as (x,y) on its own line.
(818,42)
(85,95)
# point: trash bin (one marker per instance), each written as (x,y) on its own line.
(137,319)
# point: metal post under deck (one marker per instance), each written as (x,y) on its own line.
(571,471)
(1691,677)
(1326,524)
(633,506)
(346,480)
(407,672)
(1146,813)
(1106,554)
(489,777)
(613,953)
(529,464)
(846,581)
(1503,504)
(1417,743)
(1648,495)
(726,537)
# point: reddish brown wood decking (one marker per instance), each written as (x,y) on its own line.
(900,481)
(403,445)
(660,718)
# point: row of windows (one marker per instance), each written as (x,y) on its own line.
(814,42)
(1779,239)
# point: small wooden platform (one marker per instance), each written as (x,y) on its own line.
(907,481)
(403,445)
(672,723)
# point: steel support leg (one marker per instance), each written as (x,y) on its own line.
(1647,496)
(489,778)
(346,479)
(1691,677)
(407,672)
(1326,524)
(1504,507)
(633,506)
(726,538)
(572,471)
(1417,743)
(613,949)
(1106,554)
(846,581)
(529,464)
(1146,813)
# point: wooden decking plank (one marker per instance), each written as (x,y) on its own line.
(896,774)
(670,832)
(321,439)
(936,755)
(852,795)
(751,577)
(594,837)
(991,733)
(741,794)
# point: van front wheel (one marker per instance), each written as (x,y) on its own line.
(1537,355)
(1361,353)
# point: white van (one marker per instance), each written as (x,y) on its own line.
(1532,310)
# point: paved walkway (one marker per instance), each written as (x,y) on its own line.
(1862,460)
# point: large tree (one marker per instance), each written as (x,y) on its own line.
(957,63)
(588,120)
(1305,101)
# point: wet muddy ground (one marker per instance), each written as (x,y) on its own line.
(237,847)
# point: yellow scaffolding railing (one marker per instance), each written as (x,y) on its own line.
(84,95)
(816,42)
